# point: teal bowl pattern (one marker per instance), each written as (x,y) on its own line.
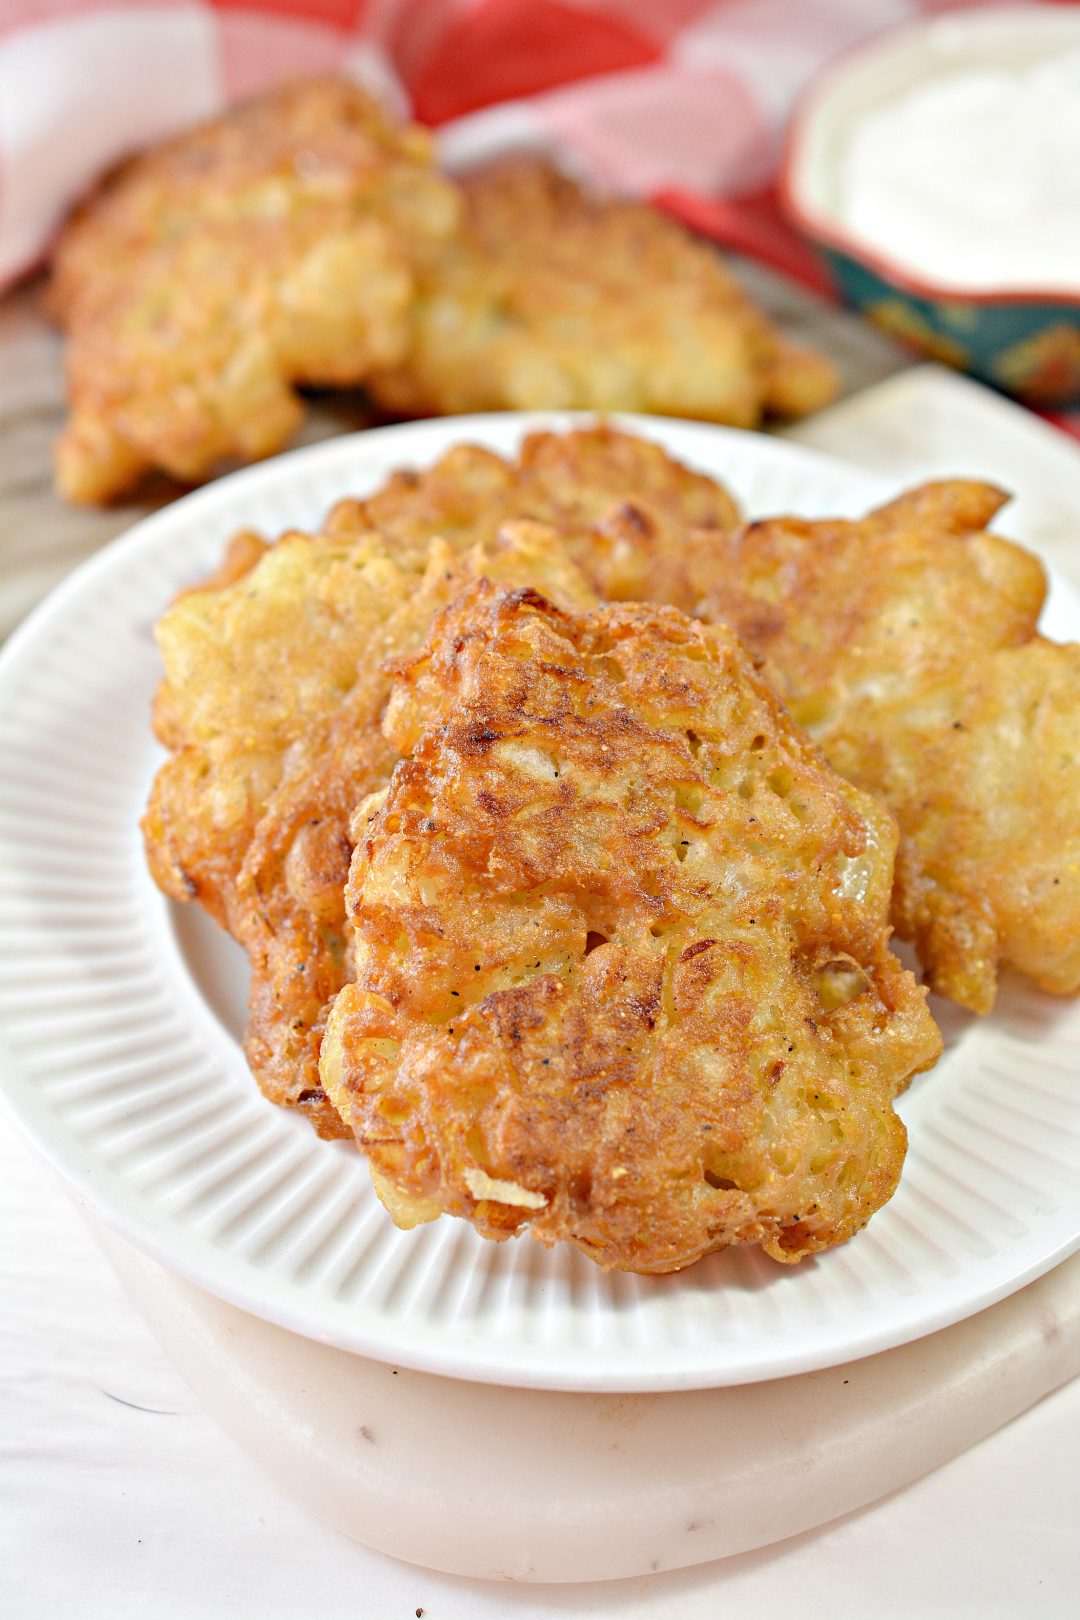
(1028,347)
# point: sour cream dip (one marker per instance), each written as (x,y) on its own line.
(972,179)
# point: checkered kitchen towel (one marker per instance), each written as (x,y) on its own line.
(683,101)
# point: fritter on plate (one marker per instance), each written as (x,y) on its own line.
(251,662)
(290,887)
(621,948)
(906,645)
(281,683)
(637,522)
(552,298)
(272,247)
(273,685)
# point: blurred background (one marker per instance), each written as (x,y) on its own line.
(753,121)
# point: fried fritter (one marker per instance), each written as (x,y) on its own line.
(273,685)
(305,239)
(633,519)
(290,911)
(249,670)
(622,971)
(272,247)
(552,298)
(906,644)
(276,686)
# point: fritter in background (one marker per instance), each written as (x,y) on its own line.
(270,249)
(552,298)
(305,239)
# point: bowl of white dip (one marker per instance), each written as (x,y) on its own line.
(937,171)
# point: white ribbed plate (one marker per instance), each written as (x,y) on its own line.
(121,1017)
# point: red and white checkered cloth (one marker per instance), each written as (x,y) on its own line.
(644,96)
(684,101)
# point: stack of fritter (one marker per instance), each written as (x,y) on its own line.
(306,239)
(615,963)
(549,901)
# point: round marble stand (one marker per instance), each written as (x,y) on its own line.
(525,1485)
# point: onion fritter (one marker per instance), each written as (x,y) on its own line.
(637,522)
(906,645)
(304,238)
(271,247)
(621,948)
(273,685)
(552,298)
(290,906)
(279,683)
(254,659)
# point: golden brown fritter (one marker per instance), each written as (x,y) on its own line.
(552,298)
(906,645)
(305,239)
(273,684)
(636,521)
(622,971)
(248,670)
(272,247)
(290,907)
(274,691)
